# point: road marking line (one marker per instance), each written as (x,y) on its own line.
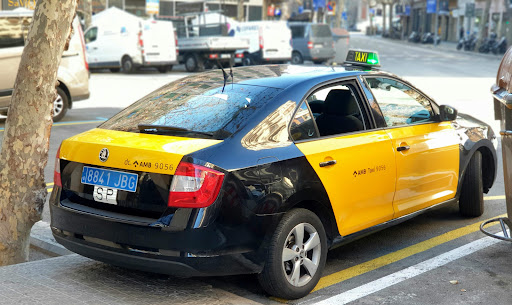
(71,123)
(390,258)
(494,197)
(400,276)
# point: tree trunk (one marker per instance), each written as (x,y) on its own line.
(27,130)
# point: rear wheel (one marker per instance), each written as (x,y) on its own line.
(60,105)
(296,256)
(193,64)
(297,58)
(127,64)
(247,61)
(471,201)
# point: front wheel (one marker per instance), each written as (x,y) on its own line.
(296,256)
(127,65)
(471,201)
(60,105)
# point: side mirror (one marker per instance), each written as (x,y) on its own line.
(447,113)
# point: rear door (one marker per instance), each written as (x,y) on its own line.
(159,41)
(427,151)
(356,167)
(276,38)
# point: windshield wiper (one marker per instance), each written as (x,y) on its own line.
(163,128)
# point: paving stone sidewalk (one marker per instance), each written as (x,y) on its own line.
(73,279)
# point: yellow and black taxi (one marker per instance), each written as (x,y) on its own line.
(263,169)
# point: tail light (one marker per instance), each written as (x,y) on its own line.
(213,56)
(333,44)
(239,55)
(56,173)
(141,42)
(82,41)
(176,43)
(310,45)
(194,186)
(261,41)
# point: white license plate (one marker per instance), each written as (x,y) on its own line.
(225,55)
(319,45)
(105,194)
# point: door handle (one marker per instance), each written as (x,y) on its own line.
(327,163)
(403,148)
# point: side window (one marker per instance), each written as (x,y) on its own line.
(302,126)
(297,31)
(91,35)
(400,104)
(336,109)
(11,32)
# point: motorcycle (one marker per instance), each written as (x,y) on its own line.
(500,47)
(414,37)
(430,38)
(488,43)
(470,42)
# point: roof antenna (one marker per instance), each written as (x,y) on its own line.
(226,76)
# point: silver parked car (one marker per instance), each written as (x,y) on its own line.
(311,41)
(73,74)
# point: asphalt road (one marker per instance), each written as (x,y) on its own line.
(411,263)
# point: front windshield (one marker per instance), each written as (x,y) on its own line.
(194,106)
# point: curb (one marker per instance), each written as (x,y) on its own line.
(41,237)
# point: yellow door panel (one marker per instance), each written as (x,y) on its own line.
(427,165)
(132,151)
(362,182)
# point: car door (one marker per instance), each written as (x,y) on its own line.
(427,150)
(354,161)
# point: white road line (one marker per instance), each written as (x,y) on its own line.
(400,276)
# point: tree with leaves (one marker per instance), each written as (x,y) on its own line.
(27,130)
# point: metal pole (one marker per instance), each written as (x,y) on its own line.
(247,12)
(436,25)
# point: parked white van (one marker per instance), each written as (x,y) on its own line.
(269,42)
(119,40)
(73,74)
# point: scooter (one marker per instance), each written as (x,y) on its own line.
(414,37)
(470,42)
(430,38)
(500,47)
(488,43)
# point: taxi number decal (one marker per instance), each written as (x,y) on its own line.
(369,170)
(156,165)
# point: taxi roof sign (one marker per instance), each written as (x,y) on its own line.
(363,58)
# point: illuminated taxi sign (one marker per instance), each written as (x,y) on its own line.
(362,58)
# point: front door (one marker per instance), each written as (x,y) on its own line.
(355,163)
(427,151)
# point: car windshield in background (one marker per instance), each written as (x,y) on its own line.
(320,30)
(193,109)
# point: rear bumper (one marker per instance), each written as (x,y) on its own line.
(208,251)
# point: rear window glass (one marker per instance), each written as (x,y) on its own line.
(199,107)
(320,30)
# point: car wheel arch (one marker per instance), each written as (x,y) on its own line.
(325,213)
(488,163)
(68,94)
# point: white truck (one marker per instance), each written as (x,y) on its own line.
(119,40)
(269,42)
(204,42)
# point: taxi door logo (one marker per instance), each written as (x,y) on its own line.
(30,4)
(104,154)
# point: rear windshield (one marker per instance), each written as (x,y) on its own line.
(320,30)
(194,108)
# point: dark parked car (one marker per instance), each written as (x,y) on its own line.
(311,41)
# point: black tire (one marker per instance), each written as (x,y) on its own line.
(115,70)
(297,58)
(193,64)
(127,64)
(459,46)
(277,274)
(471,201)
(247,60)
(60,105)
